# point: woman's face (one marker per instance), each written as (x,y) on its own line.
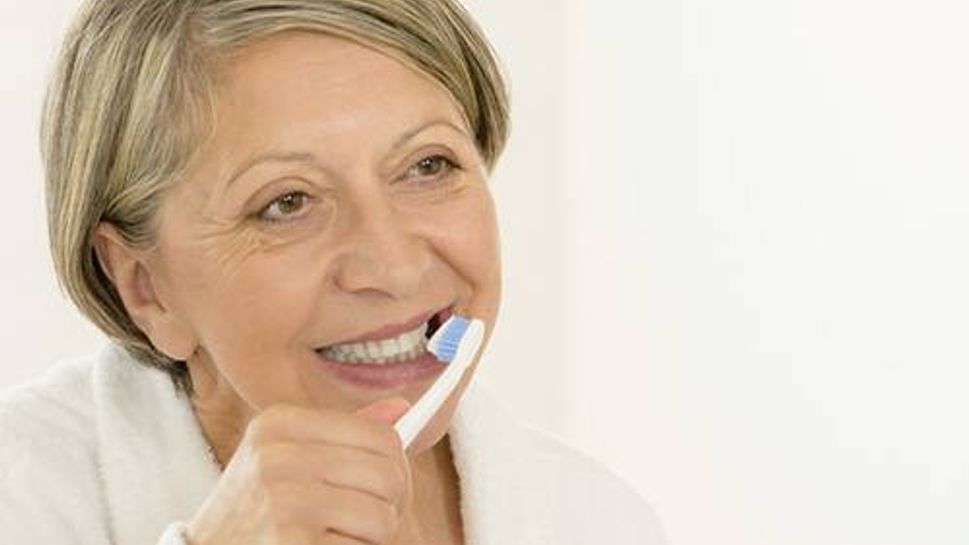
(324,207)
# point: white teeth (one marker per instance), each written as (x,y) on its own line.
(372,349)
(406,346)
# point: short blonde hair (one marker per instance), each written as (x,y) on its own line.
(130,100)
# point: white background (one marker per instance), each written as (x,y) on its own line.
(735,248)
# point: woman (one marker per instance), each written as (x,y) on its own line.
(265,204)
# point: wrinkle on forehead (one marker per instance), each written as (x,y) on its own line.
(348,87)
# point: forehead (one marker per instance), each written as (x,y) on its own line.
(302,88)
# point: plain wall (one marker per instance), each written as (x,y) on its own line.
(733,238)
(37,327)
(768,243)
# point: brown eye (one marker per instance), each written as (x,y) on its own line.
(434,166)
(285,207)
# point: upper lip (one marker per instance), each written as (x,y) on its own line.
(393,330)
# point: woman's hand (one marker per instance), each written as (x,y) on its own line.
(311,477)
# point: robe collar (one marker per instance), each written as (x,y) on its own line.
(156,466)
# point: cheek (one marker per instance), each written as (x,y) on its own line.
(463,233)
(251,323)
(466,234)
(253,307)
(246,307)
(266,299)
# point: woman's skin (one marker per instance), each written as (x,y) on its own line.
(245,282)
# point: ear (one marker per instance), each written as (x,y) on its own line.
(128,269)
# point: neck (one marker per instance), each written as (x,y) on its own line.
(434,515)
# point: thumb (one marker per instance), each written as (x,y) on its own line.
(385,410)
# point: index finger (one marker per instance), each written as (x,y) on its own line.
(286,422)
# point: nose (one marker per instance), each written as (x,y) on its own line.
(381,252)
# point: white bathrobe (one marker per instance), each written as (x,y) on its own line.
(103,451)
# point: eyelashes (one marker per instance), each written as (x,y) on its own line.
(286,207)
(433,166)
(428,173)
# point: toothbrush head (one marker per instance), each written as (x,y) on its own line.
(455,343)
(445,341)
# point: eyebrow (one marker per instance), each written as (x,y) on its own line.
(307,157)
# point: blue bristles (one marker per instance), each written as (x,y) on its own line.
(444,343)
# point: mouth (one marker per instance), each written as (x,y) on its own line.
(396,343)
(394,361)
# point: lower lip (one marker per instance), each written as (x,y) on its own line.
(385,376)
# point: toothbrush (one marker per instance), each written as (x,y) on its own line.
(455,343)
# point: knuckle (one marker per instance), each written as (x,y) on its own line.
(385,522)
(259,428)
(388,440)
(278,503)
(394,480)
(275,492)
(370,519)
(290,534)
(268,423)
(332,538)
(265,462)
(276,414)
(396,444)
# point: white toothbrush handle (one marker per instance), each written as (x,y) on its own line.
(411,424)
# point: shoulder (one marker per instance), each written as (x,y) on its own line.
(55,408)
(48,480)
(76,403)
